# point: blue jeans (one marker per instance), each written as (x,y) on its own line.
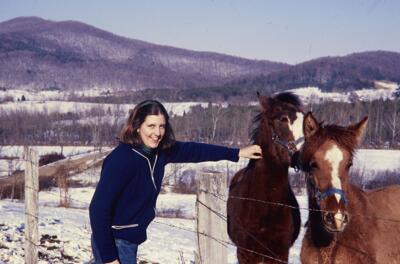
(127,252)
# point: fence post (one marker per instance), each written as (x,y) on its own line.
(31,205)
(211,227)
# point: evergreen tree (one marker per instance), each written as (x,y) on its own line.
(397,92)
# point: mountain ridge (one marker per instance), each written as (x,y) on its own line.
(61,48)
(70,55)
(332,73)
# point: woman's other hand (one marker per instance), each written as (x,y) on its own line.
(251,152)
(113,262)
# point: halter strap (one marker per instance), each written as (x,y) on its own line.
(329,192)
(289,145)
(319,195)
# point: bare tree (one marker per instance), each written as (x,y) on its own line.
(95,116)
(391,121)
(62,183)
(216,115)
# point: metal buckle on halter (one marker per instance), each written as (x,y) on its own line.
(283,143)
(275,138)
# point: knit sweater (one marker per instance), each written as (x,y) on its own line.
(123,204)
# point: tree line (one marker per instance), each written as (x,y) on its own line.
(214,124)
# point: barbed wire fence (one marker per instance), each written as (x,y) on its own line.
(210,209)
(31,205)
(32,237)
(29,183)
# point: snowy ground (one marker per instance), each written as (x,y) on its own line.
(65,233)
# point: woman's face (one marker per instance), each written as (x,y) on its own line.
(152,130)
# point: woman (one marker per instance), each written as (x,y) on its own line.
(123,204)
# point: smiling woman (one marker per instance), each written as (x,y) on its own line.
(123,204)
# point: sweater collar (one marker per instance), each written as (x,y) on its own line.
(145,150)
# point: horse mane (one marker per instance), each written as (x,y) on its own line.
(256,127)
(289,98)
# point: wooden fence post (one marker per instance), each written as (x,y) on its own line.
(31,205)
(211,220)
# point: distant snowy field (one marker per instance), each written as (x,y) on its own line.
(67,231)
(57,101)
(81,107)
(315,95)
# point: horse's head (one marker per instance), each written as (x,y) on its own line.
(280,122)
(326,158)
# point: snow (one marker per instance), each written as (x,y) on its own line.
(33,95)
(314,95)
(168,238)
(386,85)
(377,159)
(65,232)
(113,110)
(16,94)
(57,101)
(17,151)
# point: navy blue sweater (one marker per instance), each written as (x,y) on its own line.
(123,204)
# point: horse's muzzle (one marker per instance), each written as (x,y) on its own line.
(335,221)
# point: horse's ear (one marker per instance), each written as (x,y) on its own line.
(359,129)
(265,102)
(310,125)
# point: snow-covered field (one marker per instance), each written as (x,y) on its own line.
(57,101)
(65,233)
(63,107)
(315,95)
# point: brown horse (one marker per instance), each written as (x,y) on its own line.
(262,229)
(346,224)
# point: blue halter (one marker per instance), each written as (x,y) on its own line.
(329,192)
(319,195)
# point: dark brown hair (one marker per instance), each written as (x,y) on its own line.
(129,134)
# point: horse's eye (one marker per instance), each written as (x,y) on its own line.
(309,167)
(349,164)
(313,165)
(284,119)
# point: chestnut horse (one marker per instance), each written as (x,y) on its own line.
(262,229)
(346,224)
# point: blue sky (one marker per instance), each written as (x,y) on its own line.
(281,30)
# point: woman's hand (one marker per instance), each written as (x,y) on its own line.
(251,152)
(113,262)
